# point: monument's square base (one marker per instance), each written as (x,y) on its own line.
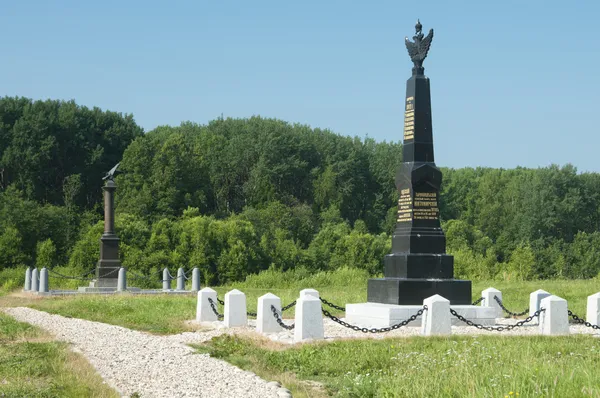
(412,291)
(86,289)
(377,315)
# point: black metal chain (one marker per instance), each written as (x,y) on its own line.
(251,313)
(337,307)
(287,307)
(220,301)
(497,328)
(80,278)
(479,300)
(214,308)
(582,321)
(279,321)
(374,330)
(509,312)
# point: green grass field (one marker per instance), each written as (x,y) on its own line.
(166,314)
(32,365)
(459,366)
(484,366)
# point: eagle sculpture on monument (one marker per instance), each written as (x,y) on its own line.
(419,48)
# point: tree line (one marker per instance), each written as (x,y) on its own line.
(236,196)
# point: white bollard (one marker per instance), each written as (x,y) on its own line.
(535,300)
(166,280)
(43,288)
(122,280)
(308,319)
(265,321)
(235,309)
(27,279)
(35,281)
(195,280)
(593,309)
(437,318)
(204,311)
(309,292)
(489,301)
(555,319)
(180,279)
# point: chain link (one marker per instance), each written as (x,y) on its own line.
(582,321)
(80,278)
(497,328)
(220,301)
(509,312)
(337,307)
(287,307)
(279,321)
(374,330)
(479,300)
(214,308)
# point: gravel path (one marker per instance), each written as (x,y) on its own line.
(164,366)
(153,366)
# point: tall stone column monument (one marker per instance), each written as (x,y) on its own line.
(418,266)
(108,266)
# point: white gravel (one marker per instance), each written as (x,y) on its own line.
(153,366)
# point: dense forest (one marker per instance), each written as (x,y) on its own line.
(237,196)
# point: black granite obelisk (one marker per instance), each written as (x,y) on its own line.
(418,266)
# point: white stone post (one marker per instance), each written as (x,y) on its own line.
(122,280)
(265,321)
(437,318)
(235,309)
(593,309)
(308,320)
(180,279)
(489,301)
(195,280)
(204,311)
(166,280)
(35,281)
(535,300)
(27,279)
(43,288)
(555,319)
(309,292)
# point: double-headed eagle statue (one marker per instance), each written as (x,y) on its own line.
(419,48)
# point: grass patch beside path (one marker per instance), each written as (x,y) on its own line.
(166,314)
(32,365)
(483,366)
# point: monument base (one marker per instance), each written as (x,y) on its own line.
(404,291)
(93,289)
(376,315)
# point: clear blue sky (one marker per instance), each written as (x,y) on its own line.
(513,82)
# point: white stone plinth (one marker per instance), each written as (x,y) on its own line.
(122,280)
(27,279)
(166,280)
(309,319)
(377,315)
(35,280)
(593,309)
(180,279)
(535,300)
(436,319)
(195,279)
(309,292)
(43,287)
(235,309)
(265,321)
(488,300)
(555,319)
(204,311)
